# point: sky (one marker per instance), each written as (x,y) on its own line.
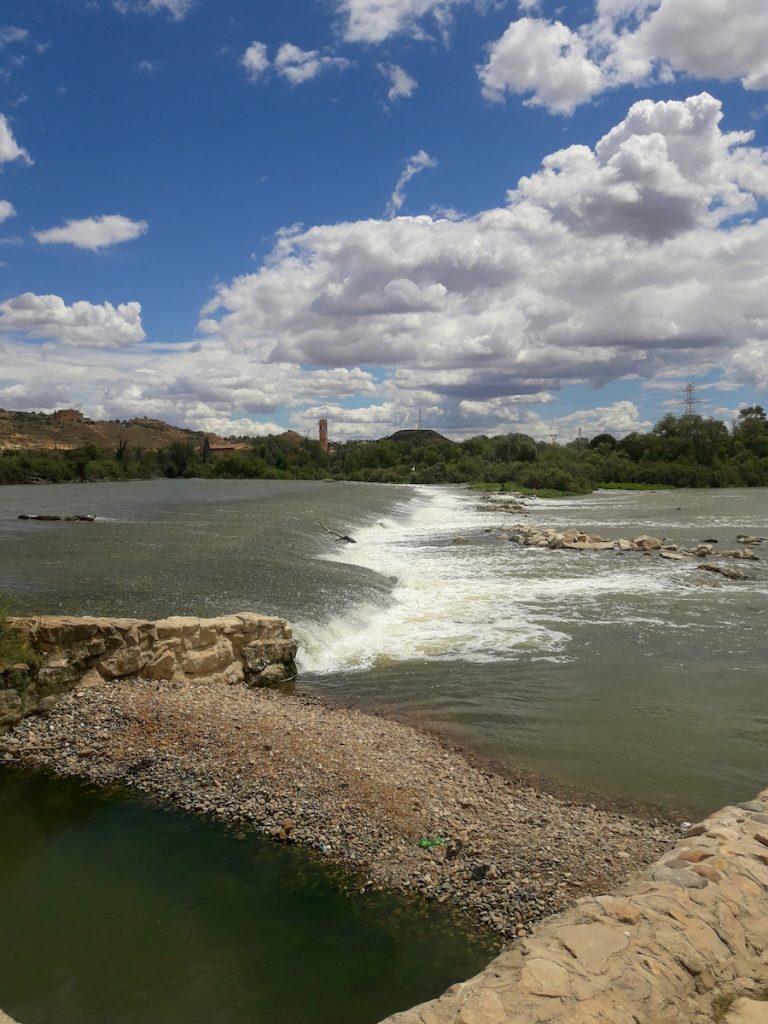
(520,215)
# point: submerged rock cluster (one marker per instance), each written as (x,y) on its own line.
(574,539)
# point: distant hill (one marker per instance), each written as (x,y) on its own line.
(66,429)
(418,436)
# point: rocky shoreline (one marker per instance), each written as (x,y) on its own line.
(394,804)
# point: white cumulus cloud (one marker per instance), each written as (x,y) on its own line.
(94,232)
(628,42)
(666,168)
(9,148)
(401,84)
(373,21)
(291,62)
(297,65)
(544,60)
(82,323)
(6,210)
(255,60)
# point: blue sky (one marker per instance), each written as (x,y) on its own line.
(201,217)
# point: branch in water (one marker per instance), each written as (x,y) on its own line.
(339,536)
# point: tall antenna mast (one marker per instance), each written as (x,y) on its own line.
(690,401)
(419,426)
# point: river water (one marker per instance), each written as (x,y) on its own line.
(626,676)
(621,676)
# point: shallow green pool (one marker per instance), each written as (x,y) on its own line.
(114,911)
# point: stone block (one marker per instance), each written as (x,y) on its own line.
(127,661)
(176,625)
(90,679)
(206,636)
(162,667)
(207,660)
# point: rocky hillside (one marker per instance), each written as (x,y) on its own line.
(66,429)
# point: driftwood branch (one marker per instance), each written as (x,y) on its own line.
(345,538)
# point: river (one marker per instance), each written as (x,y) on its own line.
(621,676)
(625,676)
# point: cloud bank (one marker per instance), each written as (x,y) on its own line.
(640,257)
(82,324)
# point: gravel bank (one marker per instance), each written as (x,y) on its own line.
(359,789)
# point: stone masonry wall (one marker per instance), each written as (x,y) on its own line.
(253,649)
(686,944)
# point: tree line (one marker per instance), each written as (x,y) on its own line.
(680,451)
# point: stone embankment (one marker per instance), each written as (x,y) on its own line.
(687,943)
(252,649)
(573,539)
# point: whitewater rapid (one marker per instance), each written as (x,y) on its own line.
(481,601)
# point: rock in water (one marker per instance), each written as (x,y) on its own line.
(647,543)
(730,572)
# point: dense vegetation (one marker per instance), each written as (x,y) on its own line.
(680,451)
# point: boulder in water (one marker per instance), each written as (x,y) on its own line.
(646,543)
(729,571)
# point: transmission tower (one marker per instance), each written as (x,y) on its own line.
(553,438)
(690,401)
(419,426)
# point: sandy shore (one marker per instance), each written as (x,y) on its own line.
(359,789)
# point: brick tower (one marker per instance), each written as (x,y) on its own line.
(324,435)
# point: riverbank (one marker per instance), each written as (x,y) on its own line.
(360,790)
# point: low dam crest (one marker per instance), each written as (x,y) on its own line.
(70,651)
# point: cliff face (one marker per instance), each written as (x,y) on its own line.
(253,649)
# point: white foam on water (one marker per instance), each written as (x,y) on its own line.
(448,602)
(479,602)
(475,603)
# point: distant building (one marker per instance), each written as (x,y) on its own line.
(68,416)
(324,435)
